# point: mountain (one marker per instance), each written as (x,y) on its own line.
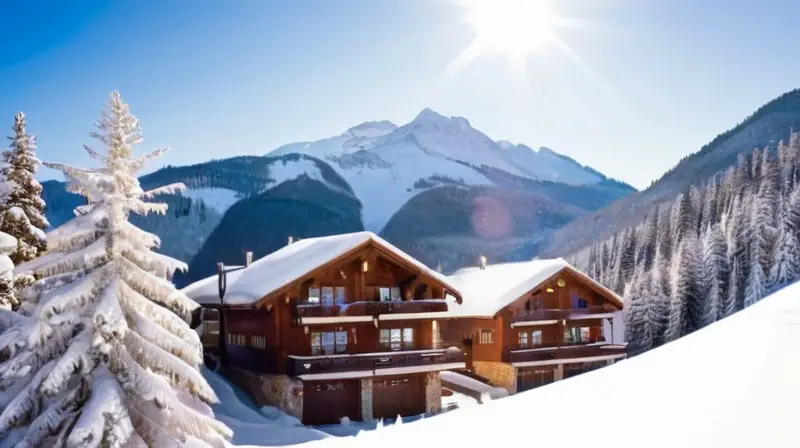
(214,189)
(764,128)
(387,165)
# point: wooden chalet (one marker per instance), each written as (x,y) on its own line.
(332,327)
(533,323)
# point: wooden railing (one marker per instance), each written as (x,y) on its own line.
(563,352)
(369,362)
(559,314)
(369,308)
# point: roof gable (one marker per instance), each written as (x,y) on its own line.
(292,262)
(488,291)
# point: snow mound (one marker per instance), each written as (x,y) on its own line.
(220,199)
(732,383)
(251,426)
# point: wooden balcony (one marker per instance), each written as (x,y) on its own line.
(369,308)
(564,352)
(372,362)
(560,314)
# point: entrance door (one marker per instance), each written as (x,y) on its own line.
(575,369)
(393,396)
(532,378)
(326,402)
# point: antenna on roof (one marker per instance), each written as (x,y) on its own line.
(248,258)
(291,240)
(482,262)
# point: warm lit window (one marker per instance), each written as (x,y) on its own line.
(437,337)
(328,343)
(523,339)
(397,338)
(258,342)
(487,336)
(313,295)
(536,337)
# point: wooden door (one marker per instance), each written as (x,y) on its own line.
(393,396)
(528,379)
(326,402)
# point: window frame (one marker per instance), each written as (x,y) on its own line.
(486,336)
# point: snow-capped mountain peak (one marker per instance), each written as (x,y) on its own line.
(372,129)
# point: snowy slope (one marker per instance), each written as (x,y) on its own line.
(546,164)
(251,426)
(731,384)
(220,199)
(356,138)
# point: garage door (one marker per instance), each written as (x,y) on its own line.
(393,396)
(326,402)
(532,378)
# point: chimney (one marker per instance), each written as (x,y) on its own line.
(482,262)
(248,258)
(291,240)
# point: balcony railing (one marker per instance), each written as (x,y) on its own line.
(560,314)
(370,362)
(369,308)
(564,352)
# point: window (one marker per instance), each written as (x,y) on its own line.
(327,295)
(313,295)
(237,339)
(258,342)
(487,336)
(437,337)
(384,294)
(396,293)
(523,339)
(328,343)
(397,338)
(341,294)
(536,337)
(577,335)
(578,301)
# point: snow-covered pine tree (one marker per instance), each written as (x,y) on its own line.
(686,303)
(22,209)
(784,260)
(102,354)
(8,299)
(658,302)
(637,321)
(648,240)
(755,163)
(715,264)
(761,227)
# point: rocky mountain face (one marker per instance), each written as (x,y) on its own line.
(764,128)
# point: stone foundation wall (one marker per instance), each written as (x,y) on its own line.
(281,391)
(499,373)
(433,393)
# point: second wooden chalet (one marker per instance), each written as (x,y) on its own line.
(333,327)
(533,323)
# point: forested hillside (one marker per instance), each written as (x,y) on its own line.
(719,247)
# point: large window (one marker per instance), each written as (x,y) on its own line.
(258,342)
(523,339)
(577,335)
(536,337)
(578,301)
(486,336)
(328,343)
(237,339)
(327,295)
(386,293)
(397,338)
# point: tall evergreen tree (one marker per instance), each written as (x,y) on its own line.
(22,210)
(102,354)
(715,263)
(784,258)
(8,299)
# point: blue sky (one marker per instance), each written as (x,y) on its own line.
(214,79)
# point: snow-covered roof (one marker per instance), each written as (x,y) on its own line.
(292,262)
(487,291)
(731,384)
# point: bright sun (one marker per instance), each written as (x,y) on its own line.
(514,27)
